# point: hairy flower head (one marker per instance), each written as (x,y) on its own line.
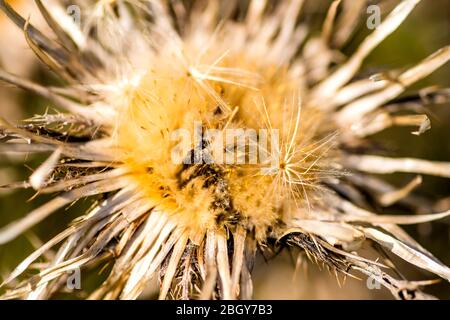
(207,132)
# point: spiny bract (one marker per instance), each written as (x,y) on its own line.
(207,131)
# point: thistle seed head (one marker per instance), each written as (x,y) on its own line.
(209,131)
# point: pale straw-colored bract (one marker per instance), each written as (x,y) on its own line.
(136,70)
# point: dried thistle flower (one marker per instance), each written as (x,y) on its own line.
(137,72)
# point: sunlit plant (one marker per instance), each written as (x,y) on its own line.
(135,72)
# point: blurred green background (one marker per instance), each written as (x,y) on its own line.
(426,30)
